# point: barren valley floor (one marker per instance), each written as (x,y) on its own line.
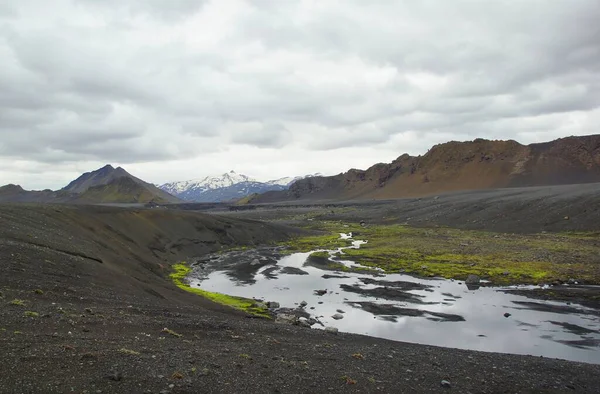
(87,303)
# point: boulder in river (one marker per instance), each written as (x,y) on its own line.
(303,304)
(472,279)
(320,292)
(273,305)
(338,316)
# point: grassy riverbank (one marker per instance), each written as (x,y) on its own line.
(181,270)
(451,253)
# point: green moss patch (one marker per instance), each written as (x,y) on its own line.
(320,255)
(31,314)
(452,253)
(181,270)
(326,241)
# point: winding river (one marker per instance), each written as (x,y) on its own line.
(400,307)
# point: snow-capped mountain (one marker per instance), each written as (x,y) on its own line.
(226,187)
(210,182)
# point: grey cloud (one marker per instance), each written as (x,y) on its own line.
(157,81)
(267,135)
(169,11)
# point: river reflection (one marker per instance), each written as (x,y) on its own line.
(404,308)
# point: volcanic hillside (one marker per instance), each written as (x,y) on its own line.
(453,166)
(105,185)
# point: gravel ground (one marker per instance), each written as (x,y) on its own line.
(85,300)
(513,210)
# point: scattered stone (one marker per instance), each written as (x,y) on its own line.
(320,302)
(472,279)
(273,305)
(566,218)
(446,384)
(261,305)
(89,356)
(116,376)
(284,318)
(338,316)
(293,271)
(320,292)
(303,304)
(340,311)
(507,314)
(304,323)
(331,330)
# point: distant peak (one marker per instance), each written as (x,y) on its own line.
(12,186)
(107,167)
(232,172)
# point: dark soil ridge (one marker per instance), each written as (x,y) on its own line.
(513,210)
(71,324)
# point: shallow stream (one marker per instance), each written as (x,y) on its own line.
(404,308)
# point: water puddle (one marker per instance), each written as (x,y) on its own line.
(404,308)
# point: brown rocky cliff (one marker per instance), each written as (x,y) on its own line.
(453,166)
(567,160)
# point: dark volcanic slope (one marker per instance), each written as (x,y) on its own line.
(105,185)
(478,164)
(109,184)
(15,193)
(516,210)
(96,277)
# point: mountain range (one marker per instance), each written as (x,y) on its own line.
(226,187)
(453,166)
(115,185)
(105,185)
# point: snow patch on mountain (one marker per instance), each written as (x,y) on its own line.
(287,181)
(207,183)
(228,186)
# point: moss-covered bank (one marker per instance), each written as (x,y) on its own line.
(181,270)
(451,253)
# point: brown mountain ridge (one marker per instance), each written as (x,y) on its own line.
(454,166)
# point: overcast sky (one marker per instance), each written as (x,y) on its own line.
(181,89)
